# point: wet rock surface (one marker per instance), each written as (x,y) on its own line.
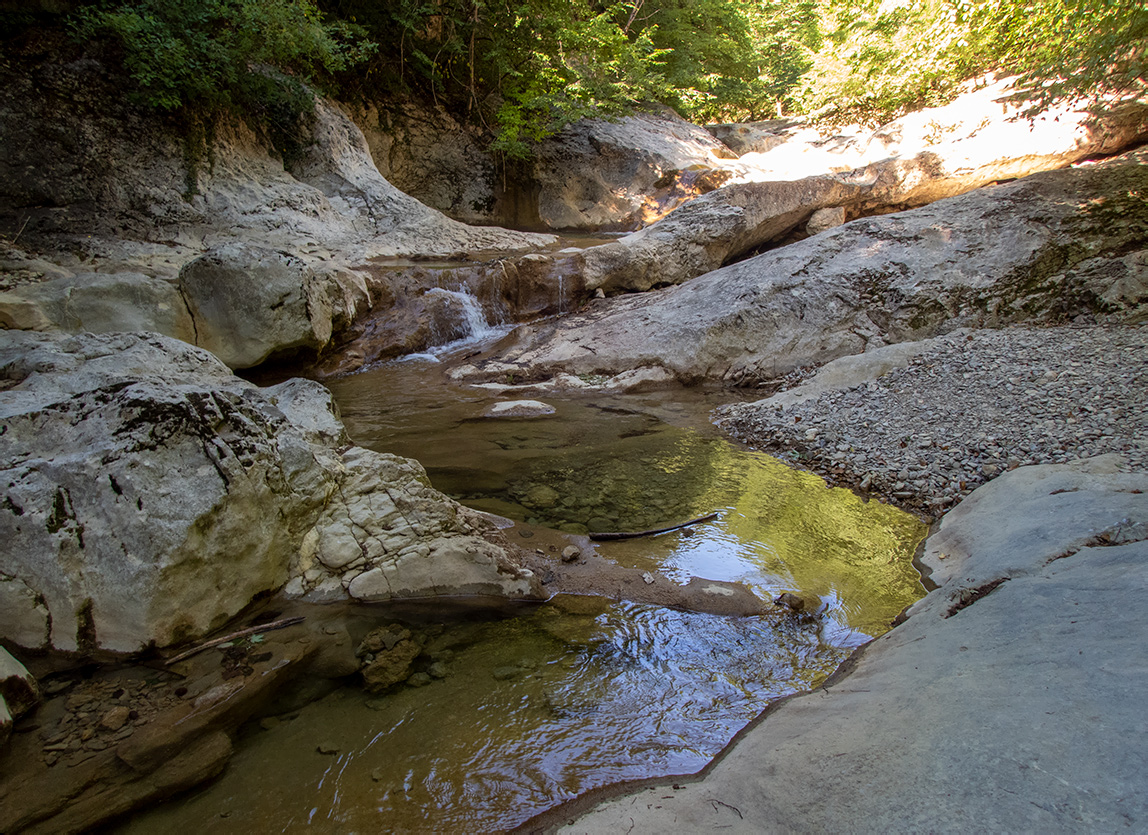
(966,408)
(110,738)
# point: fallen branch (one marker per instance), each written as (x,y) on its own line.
(602,537)
(242,633)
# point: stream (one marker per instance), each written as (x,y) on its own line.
(518,708)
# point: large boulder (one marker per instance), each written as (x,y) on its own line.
(1050,247)
(99,303)
(622,174)
(149,495)
(250,303)
(243,302)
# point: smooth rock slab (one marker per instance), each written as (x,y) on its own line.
(1018,710)
(520,409)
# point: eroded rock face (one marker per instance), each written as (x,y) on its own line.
(596,174)
(426,153)
(1051,247)
(623,174)
(981,138)
(117,202)
(149,495)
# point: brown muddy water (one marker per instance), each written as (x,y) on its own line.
(516,712)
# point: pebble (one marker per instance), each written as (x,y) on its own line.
(969,408)
(115,718)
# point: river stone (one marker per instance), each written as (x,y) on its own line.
(151,495)
(541,496)
(390,666)
(825,219)
(1015,709)
(999,255)
(519,409)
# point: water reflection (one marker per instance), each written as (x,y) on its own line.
(637,462)
(532,709)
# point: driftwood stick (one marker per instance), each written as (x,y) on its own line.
(242,633)
(602,537)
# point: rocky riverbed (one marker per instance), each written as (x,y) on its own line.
(965,408)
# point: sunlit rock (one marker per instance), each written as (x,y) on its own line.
(1051,247)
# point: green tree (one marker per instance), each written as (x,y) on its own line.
(727,59)
(882,58)
(223,53)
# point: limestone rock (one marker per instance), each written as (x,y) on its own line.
(624,173)
(150,495)
(594,174)
(756,137)
(103,183)
(250,303)
(26,618)
(926,156)
(99,303)
(825,219)
(519,409)
(19,693)
(426,153)
(1047,248)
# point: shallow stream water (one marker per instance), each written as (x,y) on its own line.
(528,708)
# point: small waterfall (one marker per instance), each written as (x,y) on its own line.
(463,322)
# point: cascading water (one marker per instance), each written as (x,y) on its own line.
(463,323)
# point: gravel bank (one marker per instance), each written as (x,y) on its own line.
(970,406)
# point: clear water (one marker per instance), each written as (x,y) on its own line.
(537,707)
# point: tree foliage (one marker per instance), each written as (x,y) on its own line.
(883,57)
(524,69)
(223,53)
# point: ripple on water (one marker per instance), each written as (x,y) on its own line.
(535,709)
(579,692)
